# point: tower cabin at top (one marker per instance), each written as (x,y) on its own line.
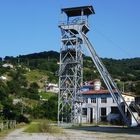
(77,15)
(79,11)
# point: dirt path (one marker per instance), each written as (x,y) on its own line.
(87,133)
(69,135)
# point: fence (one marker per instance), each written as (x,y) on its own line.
(7,124)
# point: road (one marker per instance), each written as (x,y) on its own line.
(83,133)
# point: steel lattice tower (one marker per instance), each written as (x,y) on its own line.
(73,33)
(71,64)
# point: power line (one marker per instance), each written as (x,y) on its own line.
(114,44)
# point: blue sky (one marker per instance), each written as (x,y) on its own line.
(28,26)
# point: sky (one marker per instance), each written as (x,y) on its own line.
(29,26)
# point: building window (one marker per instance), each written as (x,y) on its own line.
(93,100)
(86,100)
(103,111)
(103,100)
(84,111)
(103,114)
(114,110)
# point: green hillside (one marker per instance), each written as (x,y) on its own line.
(44,66)
(26,80)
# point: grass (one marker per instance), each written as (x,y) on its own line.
(30,102)
(47,95)
(43,126)
(7,131)
(32,128)
(38,76)
(4,133)
(35,75)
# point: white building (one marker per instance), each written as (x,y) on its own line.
(52,88)
(99,105)
(3,78)
(6,65)
(16,101)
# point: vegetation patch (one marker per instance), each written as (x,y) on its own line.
(47,95)
(7,131)
(38,76)
(44,126)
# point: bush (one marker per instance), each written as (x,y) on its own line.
(117,122)
(45,127)
(22,118)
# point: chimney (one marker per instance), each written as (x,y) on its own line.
(97,84)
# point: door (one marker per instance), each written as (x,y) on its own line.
(91,115)
(103,114)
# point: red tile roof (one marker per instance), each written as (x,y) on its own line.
(96,92)
(90,92)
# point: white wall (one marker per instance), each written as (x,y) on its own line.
(97,108)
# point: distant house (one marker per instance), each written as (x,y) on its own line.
(52,88)
(98,104)
(16,101)
(6,65)
(3,78)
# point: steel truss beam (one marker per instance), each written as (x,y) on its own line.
(70,77)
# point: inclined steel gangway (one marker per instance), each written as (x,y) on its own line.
(108,80)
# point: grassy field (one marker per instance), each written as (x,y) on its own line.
(47,95)
(43,126)
(37,76)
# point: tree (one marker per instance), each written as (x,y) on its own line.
(138,88)
(4,91)
(33,91)
(46,109)
(18,84)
